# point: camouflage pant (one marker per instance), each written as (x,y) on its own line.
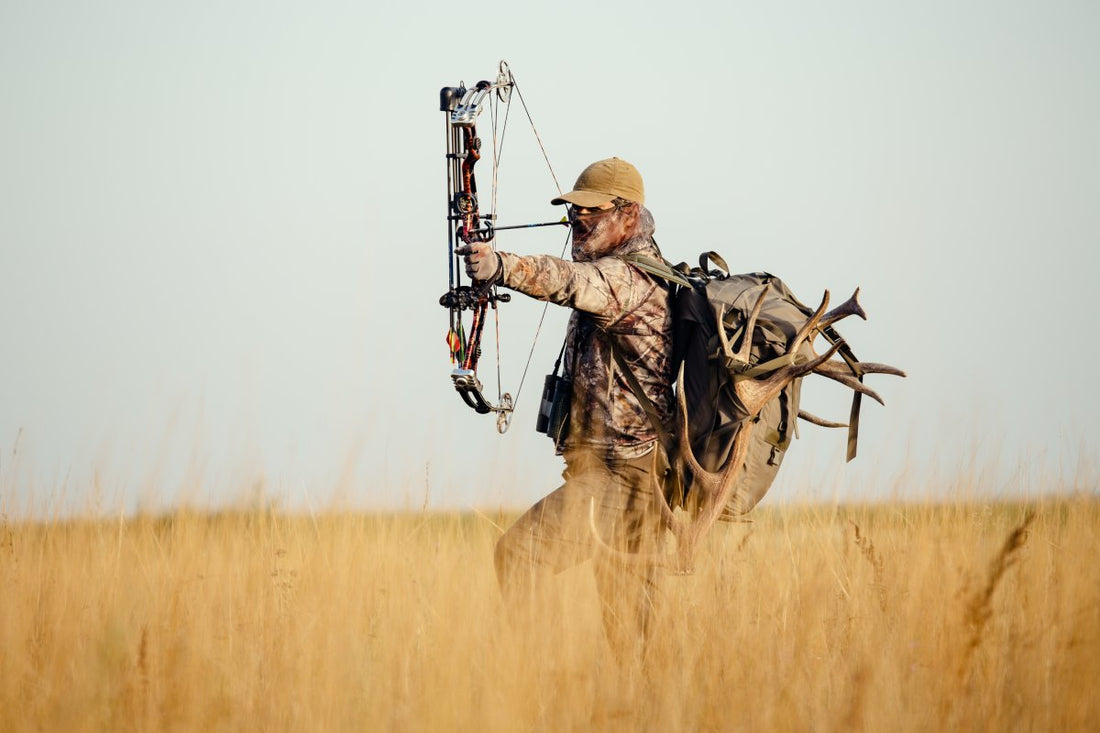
(556,534)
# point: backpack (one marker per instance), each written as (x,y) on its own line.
(708,368)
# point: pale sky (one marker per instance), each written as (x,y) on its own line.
(222,235)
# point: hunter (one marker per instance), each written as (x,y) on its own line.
(608,440)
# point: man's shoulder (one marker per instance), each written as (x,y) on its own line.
(625,270)
(632,258)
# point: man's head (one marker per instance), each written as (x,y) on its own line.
(604,207)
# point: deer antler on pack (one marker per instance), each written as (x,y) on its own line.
(714,490)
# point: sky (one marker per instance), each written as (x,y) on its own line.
(223,236)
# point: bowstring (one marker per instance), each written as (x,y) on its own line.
(498,146)
(535,130)
(565,245)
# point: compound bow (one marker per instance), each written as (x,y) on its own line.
(466,224)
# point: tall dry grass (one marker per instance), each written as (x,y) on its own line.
(897,617)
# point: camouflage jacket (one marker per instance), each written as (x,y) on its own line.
(616,305)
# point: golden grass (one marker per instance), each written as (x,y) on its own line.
(899,617)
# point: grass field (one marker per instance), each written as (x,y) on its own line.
(895,617)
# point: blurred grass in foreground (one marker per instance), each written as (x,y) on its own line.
(889,617)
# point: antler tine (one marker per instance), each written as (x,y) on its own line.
(686,452)
(852,383)
(810,325)
(871,367)
(662,501)
(850,307)
(718,497)
(727,348)
(745,351)
(682,564)
(628,558)
(709,481)
(812,418)
(865,367)
(685,541)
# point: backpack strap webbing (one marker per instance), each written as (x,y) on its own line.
(853,425)
(850,359)
(707,257)
(662,268)
(657,267)
(673,483)
(663,435)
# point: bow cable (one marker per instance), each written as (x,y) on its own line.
(568,234)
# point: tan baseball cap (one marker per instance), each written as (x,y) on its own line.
(603,181)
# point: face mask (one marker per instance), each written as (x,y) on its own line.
(591,237)
(590,240)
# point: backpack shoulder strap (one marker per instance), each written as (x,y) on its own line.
(647,404)
(657,267)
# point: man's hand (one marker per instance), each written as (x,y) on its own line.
(482,263)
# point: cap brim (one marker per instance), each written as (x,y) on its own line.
(583,198)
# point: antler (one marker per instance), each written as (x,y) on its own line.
(715,488)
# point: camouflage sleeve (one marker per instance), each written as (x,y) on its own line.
(607,288)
